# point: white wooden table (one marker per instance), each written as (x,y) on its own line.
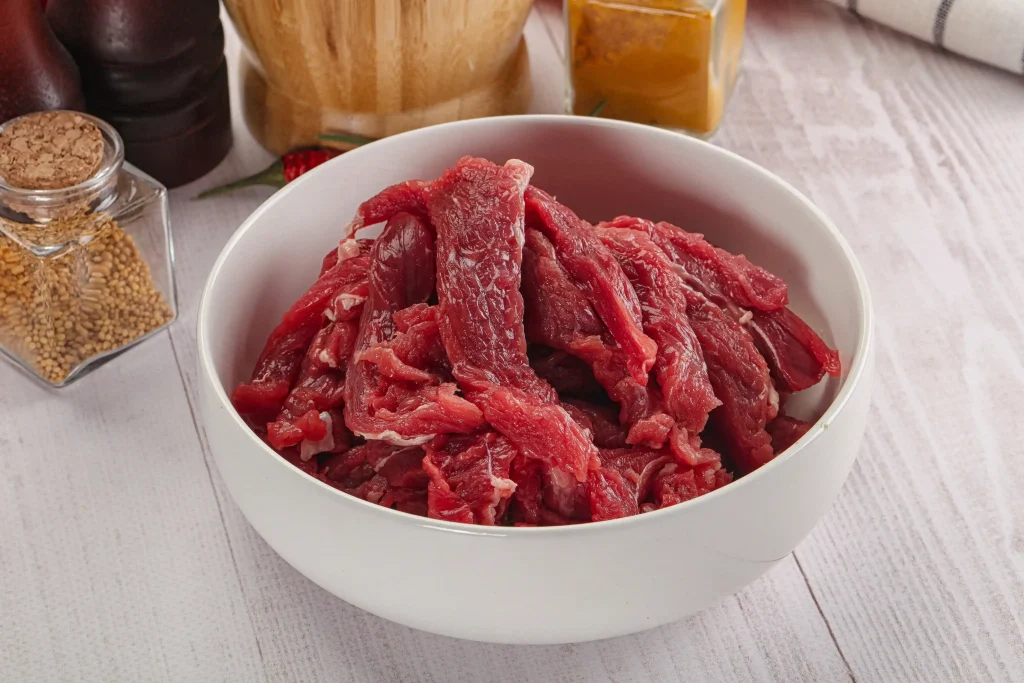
(122,558)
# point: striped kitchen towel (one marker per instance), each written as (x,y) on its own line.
(990,31)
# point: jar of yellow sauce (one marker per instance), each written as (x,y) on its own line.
(669,63)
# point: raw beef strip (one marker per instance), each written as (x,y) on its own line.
(526,474)
(413,415)
(347,304)
(350,469)
(542,430)
(734,276)
(559,315)
(535,490)
(306,416)
(529,507)
(640,407)
(623,481)
(610,496)
(477,211)
(556,309)
(675,483)
(570,503)
(680,368)
(407,481)
(569,375)
(549,517)
(416,393)
(604,425)
(614,490)
(590,264)
(796,355)
(786,431)
(688,449)
(469,477)
(740,379)
(391,476)
(403,197)
(311,413)
(333,344)
(415,353)
(382,398)
(310,467)
(260,399)
(580,417)
(637,464)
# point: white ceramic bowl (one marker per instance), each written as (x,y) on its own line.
(541,585)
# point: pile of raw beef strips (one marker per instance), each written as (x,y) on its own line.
(491,358)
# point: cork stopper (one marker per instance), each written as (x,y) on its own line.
(50,151)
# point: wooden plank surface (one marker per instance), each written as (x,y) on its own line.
(122,558)
(918,157)
(114,562)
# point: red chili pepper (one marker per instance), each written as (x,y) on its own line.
(299,162)
(281,172)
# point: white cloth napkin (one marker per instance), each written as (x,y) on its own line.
(990,31)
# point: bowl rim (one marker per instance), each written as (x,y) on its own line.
(858,362)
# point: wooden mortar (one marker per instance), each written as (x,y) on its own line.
(377,67)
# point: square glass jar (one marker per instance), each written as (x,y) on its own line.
(670,63)
(86,271)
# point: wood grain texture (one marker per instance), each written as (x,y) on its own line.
(377,67)
(916,155)
(114,562)
(122,558)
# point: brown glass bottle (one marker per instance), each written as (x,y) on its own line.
(36,72)
(155,69)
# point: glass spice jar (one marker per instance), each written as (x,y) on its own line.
(669,63)
(86,261)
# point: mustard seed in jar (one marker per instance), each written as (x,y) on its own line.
(85,251)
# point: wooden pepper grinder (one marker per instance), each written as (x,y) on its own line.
(154,69)
(36,72)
